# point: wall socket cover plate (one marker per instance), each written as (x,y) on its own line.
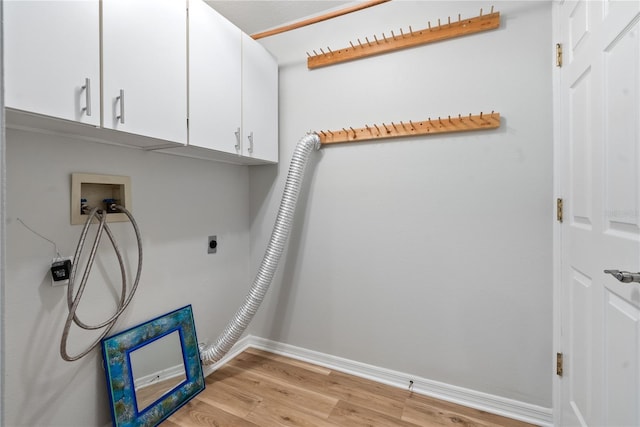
(60,282)
(212,244)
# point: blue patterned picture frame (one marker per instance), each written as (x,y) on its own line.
(116,351)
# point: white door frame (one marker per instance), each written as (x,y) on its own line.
(2,215)
(558,191)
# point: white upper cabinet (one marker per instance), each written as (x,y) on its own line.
(145,67)
(183,81)
(233,89)
(214,80)
(52,58)
(259,102)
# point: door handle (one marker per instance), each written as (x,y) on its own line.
(250,138)
(624,276)
(121,99)
(87,94)
(237,139)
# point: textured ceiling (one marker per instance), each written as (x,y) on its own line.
(254,16)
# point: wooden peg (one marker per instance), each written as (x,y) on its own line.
(423,127)
(411,38)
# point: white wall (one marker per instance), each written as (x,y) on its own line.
(430,256)
(177,202)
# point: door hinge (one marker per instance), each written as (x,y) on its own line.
(559,364)
(559,210)
(558,55)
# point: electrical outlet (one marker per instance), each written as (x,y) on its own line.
(212,247)
(60,270)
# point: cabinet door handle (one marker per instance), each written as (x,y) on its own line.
(250,138)
(237,132)
(121,98)
(87,95)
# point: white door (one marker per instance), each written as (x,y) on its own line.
(599,100)
(259,101)
(214,80)
(144,50)
(52,58)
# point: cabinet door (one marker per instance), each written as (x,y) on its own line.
(145,67)
(259,101)
(52,49)
(214,80)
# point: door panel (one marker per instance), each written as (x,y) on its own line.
(580,140)
(50,49)
(579,362)
(621,113)
(622,332)
(579,24)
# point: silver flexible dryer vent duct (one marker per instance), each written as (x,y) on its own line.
(245,313)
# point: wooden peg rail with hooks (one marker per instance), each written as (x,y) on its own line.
(387,43)
(430,126)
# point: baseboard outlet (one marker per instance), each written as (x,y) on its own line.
(517,410)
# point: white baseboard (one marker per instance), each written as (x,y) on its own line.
(517,410)
(162,375)
(240,346)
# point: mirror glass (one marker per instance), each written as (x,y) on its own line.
(152,369)
(157,368)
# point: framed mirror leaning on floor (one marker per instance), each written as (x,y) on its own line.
(152,369)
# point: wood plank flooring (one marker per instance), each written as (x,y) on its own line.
(258,388)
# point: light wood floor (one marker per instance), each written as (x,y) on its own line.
(258,388)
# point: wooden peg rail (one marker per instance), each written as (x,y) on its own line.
(427,127)
(388,43)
